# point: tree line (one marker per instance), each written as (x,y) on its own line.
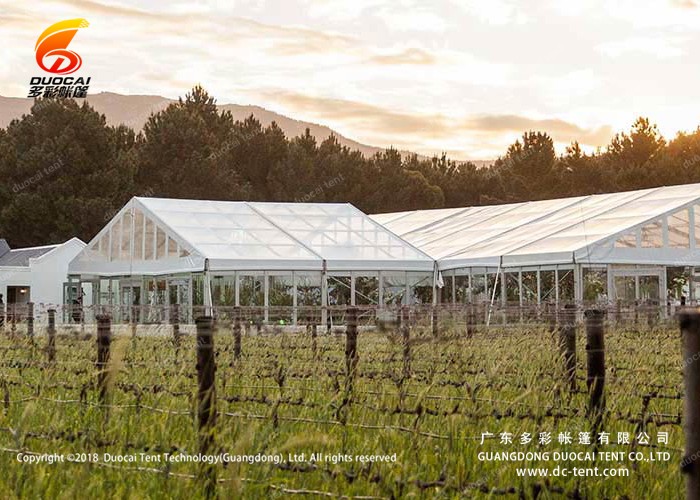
(65,172)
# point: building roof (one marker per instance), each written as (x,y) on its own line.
(20,257)
(566,230)
(232,235)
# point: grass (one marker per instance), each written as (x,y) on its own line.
(282,398)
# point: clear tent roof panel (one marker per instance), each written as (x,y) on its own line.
(336,233)
(550,227)
(553,227)
(489,224)
(419,218)
(339,232)
(225,230)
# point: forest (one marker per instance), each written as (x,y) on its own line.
(64,171)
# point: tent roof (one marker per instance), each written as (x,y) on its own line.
(529,233)
(238,235)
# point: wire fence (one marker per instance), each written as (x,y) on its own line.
(433,348)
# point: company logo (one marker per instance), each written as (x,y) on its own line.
(53,43)
(53,56)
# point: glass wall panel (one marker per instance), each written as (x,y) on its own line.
(172,248)
(198,289)
(628,240)
(478,291)
(367,290)
(104,244)
(138,235)
(512,288)
(529,287)
(676,281)
(105,292)
(625,288)
(462,291)
(252,290)
(696,213)
(652,235)
(223,290)
(547,284)
(125,251)
(595,285)
(445,292)
(339,290)
(149,235)
(566,285)
(420,287)
(116,242)
(394,288)
(493,281)
(281,297)
(160,244)
(649,287)
(679,229)
(308,289)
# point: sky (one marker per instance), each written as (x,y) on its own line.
(465,77)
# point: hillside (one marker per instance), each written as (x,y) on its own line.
(133,111)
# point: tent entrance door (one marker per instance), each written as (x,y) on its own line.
(130,300)
(179,293)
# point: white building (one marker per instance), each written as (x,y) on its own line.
(36,274)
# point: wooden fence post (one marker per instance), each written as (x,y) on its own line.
(30,320)
(175,320)
(471,321)
(104,338)
(206,397)
(237,332)
(312,330)
(652,313)
(690,338)
(595,353)
(567,343)
(13,320)
(351,340)
(551,311)
(51,332)
(406,337)
(134,322)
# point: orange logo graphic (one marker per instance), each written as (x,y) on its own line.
(53,43)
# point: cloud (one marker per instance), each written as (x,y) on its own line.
(685,4)
(661,47)
(560,130)
(367,115)
(288,40)
(413,18)
(681,14)
(340,10)
(370,117)
(413,55)
(495,12)
(92,6)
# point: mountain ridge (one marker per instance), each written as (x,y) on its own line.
(134,110)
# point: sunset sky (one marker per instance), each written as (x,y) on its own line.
(462,76)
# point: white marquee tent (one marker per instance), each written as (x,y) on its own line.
(560,249)
(166,251)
